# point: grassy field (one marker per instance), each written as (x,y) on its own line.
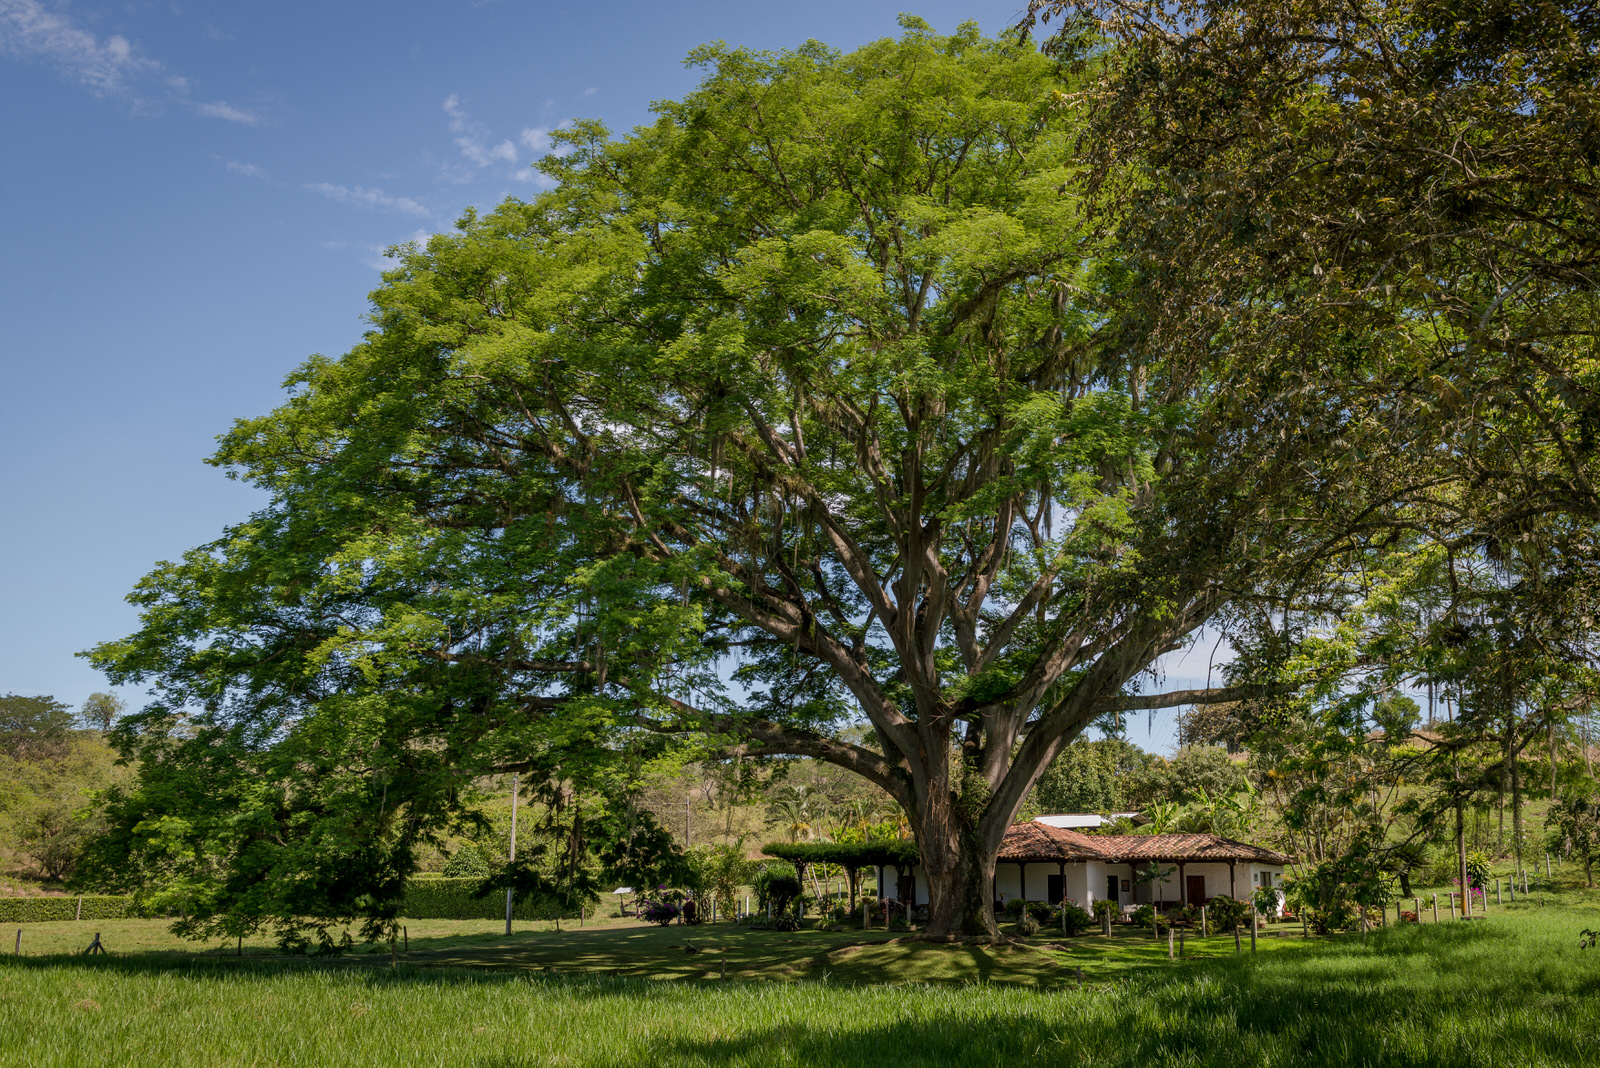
(1514,989)
(626,948)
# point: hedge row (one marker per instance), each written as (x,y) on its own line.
(40,909)
(900,853)
(451,899)
(426,899)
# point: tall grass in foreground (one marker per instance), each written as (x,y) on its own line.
(1512,992)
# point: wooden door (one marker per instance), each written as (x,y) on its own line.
(1196,886)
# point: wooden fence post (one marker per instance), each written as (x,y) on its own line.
(1254,920)
(1205,927)
(1498,900)
(1237,949)
(19,942)
(1169,941)
(1436,908)
(79,914)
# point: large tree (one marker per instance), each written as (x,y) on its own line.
(813,403)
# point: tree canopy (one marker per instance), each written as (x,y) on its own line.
(820,401)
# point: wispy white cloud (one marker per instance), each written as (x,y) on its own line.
(220,110)
(377,256)
(249,170)
(473,137)
(369,198)
(29,31)
(112,66)
(591,91)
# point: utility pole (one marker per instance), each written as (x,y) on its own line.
(513,856)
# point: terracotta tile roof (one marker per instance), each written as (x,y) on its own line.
(1040,841)
(1036,841)
(1185,847)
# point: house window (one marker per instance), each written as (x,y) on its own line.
(1266,879)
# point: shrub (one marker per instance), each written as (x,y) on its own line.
(1144,916)
(660,912)
(777,885)
(1041,911)
(1075,920)
(1106,907)
(1225,913)
(1477,869)
(1015,908)
(1265,901)
(898,923)
(467,863)
(1340,916)
(42,909)
(1185,914)
(1027,926)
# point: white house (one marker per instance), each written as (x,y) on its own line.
(1042,862)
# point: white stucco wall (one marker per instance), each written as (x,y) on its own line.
(1086,882)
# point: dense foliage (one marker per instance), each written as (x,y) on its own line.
(815,402)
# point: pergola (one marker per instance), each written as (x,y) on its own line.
(900,854)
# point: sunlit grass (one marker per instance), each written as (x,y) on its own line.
(1514,989)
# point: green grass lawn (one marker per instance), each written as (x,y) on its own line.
(1512,990)
(627,948)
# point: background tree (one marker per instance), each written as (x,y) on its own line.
(33,727)
(1574,825)
(1225,724)
(101,710)
(1195,771)
(1091,777)
(49,801)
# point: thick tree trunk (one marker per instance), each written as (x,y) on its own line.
(959,866)
(960,888)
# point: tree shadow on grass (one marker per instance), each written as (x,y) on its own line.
(1426,997)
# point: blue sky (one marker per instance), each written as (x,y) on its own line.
(197,197)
